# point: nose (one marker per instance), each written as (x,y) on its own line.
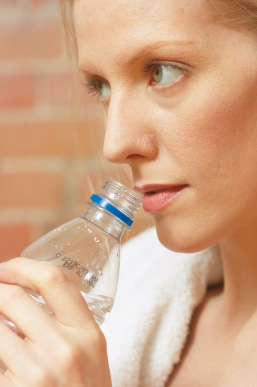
(129,137)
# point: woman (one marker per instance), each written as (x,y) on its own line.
(178,82)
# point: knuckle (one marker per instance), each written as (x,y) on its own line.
(41,377)
(69,358)
(69,355)
(90,351)
(98,342)
(15,261)
(53,274)
(99,339)
(14,264)
(11,294)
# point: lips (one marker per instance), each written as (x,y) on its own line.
(157,197)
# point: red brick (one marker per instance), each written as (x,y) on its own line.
(8,2)
(35,3)
(30,190)
(30,40)
(53,88)
(16,90)
(41,2)
(61,88)
(47,138)
(13,239)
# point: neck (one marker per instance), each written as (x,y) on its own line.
(239,257)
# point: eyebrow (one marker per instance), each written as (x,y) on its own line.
(140,52)
(151,47)
(164,43)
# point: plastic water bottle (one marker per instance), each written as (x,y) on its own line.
(88,248)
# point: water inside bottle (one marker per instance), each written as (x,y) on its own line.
(87,249)
(88,256)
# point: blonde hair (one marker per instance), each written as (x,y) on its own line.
(236,12)
(68,27)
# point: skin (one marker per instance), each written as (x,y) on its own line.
(69,350)
(199,131)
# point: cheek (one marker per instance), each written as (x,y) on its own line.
(217,132)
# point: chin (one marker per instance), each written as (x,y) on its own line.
(184,239)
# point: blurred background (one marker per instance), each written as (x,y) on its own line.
(50,140)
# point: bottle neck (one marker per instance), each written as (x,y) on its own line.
(105,221)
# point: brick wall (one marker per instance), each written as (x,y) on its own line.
(46,155)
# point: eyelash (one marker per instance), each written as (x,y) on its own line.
(91,88)
(149,66)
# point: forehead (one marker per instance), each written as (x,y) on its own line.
(114,28)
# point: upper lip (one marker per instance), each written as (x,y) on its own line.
(154,187)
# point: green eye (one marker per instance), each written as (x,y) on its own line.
(98,87)
(103,89)
(165,74)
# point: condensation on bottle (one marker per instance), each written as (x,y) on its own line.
(87,248)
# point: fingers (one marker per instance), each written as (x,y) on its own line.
(28,317)
(24,366)
(62,297)
(51,351)
(68,350)
(13,347)
(70,359)
(11,325)
(5,381)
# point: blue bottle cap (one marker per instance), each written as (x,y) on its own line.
(113,210)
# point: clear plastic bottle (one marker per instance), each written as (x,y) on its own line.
(88,248)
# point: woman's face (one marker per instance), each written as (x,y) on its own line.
(180,94)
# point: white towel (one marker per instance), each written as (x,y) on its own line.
(157,293)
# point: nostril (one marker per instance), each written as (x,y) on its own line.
(128,149)
(134,156)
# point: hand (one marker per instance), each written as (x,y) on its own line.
(68,350)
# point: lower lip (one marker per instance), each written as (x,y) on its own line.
(153,202)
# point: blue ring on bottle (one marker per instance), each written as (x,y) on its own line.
(113,210)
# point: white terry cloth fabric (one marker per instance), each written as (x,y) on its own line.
(157,293)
